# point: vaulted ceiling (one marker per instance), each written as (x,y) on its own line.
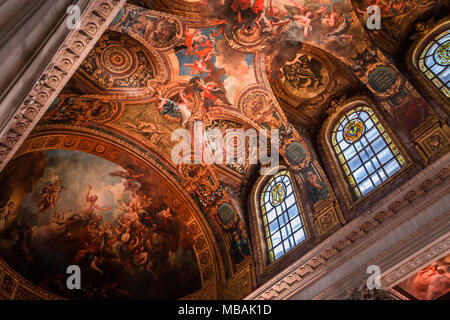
(228,67)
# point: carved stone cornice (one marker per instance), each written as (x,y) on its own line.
(413,245)
(404,269)
(401,206)
(94,20)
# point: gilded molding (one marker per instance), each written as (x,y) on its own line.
(432,138)
(328,217)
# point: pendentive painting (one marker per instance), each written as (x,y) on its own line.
(62,208)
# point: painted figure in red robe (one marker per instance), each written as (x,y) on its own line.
(410,111)
(257,6)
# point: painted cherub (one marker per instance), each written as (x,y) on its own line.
(200,66)
(50,196)
(130,182)
(5,213)
(175,110)
(193,40)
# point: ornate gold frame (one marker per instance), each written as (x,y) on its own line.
(264,265)
(412,57)
(331,159)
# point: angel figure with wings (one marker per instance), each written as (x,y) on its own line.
(129,176)
(174,109)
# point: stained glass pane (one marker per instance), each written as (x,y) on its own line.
(349,152)
(271,215)
(360,174)
(281,216)
(392,167)
(269,244)
(376,179)
(299,236)
(385,155)
(346,169)
(435,61)
(337,149)
(381,174)
(279,251)
(287,245)
(290,200)
(369,167)
(371,134)
(378,144)
(369,156)
(401,160)
(352,181)
(273,227)
(366,186)
(354,163)
(296,223)
(276,238)
(366,154)
(361,144)
(445,75)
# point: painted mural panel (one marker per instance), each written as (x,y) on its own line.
(61,208)
(430,283)
(315,186)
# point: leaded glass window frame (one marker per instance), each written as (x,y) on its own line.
(434,61)
(282,213)
(367,158)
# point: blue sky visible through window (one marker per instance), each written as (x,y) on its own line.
(283,226)
(366,152)
(435,60)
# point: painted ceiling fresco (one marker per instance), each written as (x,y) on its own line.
(430,283)
(76,208)
(395,18)
(99,186)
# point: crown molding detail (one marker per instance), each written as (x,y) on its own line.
(94,20)
(406,268)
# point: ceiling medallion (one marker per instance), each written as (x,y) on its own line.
(354,130)
(117,59)
(245,39)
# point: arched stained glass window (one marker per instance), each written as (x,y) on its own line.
(366,152)
(283,226)
(434,62)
